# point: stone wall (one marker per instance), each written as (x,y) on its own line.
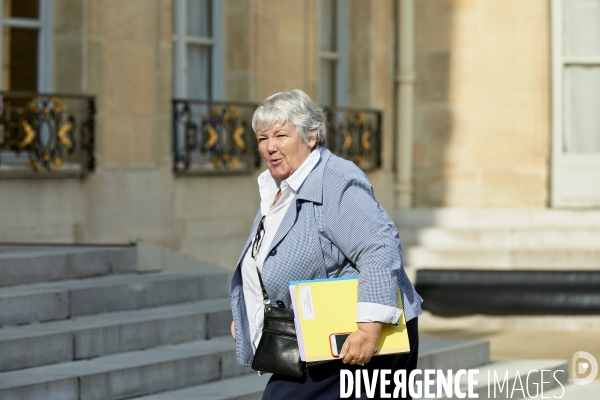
(129,70)
(482,133)
(121,53)
(483,103)
(41,210)
(371,65)
(274,50)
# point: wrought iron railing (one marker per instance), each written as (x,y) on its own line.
(355,134)
(46,135)
(212,138)
(217,137)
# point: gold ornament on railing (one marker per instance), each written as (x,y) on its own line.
(355,136)
(364,140)
(49,160)
(220,115)
(29,134)
(213,136)
(62,135)
(47,133)
(237,138)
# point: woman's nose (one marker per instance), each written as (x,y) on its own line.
(271,147)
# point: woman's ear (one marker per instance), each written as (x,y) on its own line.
(312,141)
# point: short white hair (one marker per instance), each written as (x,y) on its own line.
(294,107)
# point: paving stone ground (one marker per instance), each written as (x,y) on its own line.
(514,345)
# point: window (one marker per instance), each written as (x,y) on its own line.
(578,74)
(198,49)
(26,59)
(25,46)
(333,60)
(575,103)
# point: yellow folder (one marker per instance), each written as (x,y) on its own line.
(328,306)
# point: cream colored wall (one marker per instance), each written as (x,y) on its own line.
(213,215)
(121,53)
(238,75)
(283,47)
(482,112)
(371,79)
(70,26)
(483,103)
(129,70)
(52,211)
(266,49)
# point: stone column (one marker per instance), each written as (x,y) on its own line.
(405,80)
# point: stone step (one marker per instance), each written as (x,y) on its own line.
(248,387)
(73,298)
(586,324)
(30,264)
(126,375)
(501,238)
(99,335)
(556,259)
(453,354)
(571,391)
(486,218)
(439,354)
(251,386)
(515,373)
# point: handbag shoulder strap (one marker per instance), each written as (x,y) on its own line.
(266,300)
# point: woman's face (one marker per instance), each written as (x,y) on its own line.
(283,149)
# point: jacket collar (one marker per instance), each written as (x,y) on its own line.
(312,188)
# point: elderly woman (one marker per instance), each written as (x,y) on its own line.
(318,213)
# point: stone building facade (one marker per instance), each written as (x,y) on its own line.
(478,112)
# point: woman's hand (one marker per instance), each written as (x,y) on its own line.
(233,330)
(361,345)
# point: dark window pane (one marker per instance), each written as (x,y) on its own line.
(199,72)
(328,25)
(20,59)
(21,9)
(199,18)
(327,83)
(174,17)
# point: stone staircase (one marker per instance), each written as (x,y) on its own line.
(81,323)
(544,239)
(505,240)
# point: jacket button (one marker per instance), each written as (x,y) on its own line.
(273,252)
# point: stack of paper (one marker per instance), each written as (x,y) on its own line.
(328,306)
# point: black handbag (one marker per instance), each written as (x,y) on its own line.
(277,350)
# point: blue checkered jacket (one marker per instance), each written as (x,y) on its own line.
(335,218)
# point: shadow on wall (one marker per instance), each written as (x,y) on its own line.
(482,128)
(433,116)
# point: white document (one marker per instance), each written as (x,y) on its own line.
(306,303)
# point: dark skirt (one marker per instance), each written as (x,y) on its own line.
(322,381)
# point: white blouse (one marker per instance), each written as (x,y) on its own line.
(268,187)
